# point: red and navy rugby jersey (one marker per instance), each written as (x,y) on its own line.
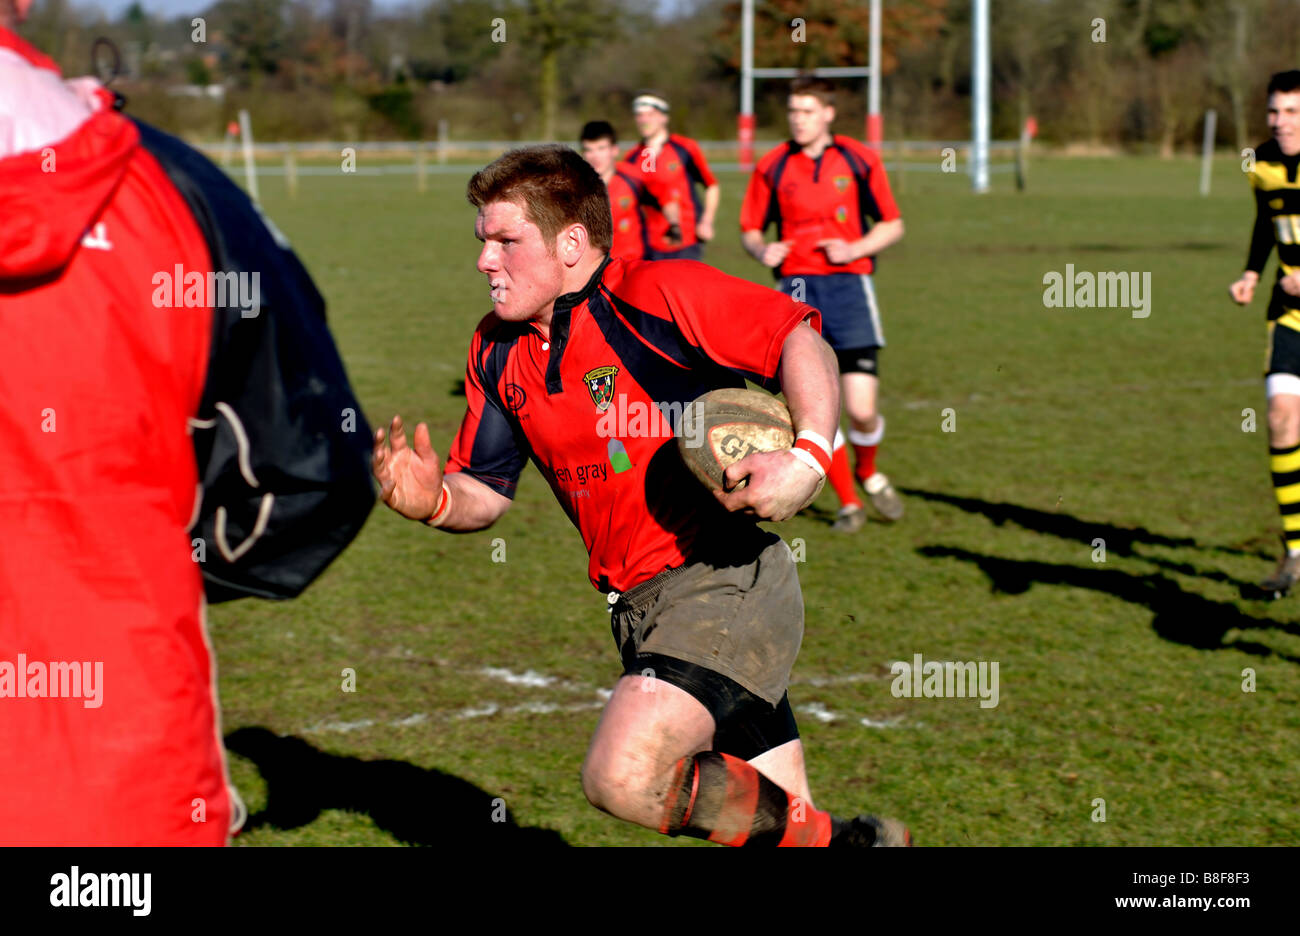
(581,405)
(814,199)
(672,176)
(628,198)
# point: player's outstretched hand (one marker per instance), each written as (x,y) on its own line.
(774,254)
(704,231)
(1243,290)
(410,478)
(1290,284)
(780,486)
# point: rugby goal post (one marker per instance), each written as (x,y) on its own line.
(746,121)
(875,125)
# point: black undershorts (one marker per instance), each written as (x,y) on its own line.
(747,725)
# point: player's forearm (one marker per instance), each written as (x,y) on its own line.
(712,197)
(882,234)
(1261,244)
(474,505)
(753,243)
(809,378)
(672,212)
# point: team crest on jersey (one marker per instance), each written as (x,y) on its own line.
(624,203)
(842,183)
(600,384)
(1275,203)
(624,224)
(841,214)
(674,166)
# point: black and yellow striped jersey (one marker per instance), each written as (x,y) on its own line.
(1276,183)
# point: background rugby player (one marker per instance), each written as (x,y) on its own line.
(820,190)
(628,195)
(673,166)
(701,598)
(1277,220)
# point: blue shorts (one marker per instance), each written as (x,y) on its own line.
(847,302)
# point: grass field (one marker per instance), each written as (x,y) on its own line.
(1119,680)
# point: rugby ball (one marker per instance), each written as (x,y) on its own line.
(723,426)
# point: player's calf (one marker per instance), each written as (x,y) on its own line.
(1284,462)
(723,799)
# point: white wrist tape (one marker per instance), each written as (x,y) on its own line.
(807,459)
(817,439)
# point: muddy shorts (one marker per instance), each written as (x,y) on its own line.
(725,627)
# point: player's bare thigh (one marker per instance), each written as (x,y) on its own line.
(858,399)
(1283,420)
(647,726)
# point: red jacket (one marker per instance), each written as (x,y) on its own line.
(96,387)
(109,523)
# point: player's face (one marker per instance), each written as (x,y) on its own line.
(600,154)
(650,120)
(524,277)
(1284,120)
(809,118)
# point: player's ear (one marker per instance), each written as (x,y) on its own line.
(573,244)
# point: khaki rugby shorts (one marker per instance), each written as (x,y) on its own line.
(737,610)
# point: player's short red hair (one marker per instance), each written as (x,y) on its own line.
(554,186)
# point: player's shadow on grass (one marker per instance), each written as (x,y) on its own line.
(1119,540)
(415,805)
(1180,616)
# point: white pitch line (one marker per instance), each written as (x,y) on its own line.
(818,711)
(477,712)
(341,726)
(534,680)
(530,678)
(527,678)
(885,723)
(547,708)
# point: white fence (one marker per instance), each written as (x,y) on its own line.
(458,156)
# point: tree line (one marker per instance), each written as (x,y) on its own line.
(1106,73)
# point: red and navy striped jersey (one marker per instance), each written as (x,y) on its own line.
(672,176)
(810,200)
(628,198)
(595,405)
